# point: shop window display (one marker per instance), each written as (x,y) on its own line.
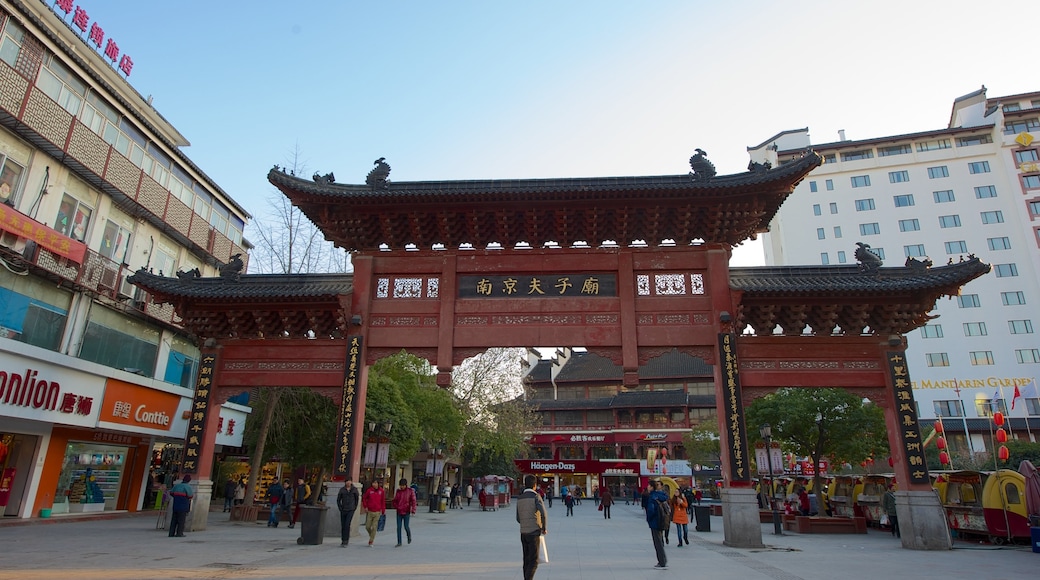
(90,477)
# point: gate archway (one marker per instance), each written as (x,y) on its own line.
(628,267)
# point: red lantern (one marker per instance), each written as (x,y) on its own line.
(862,463)
(938,427)
(940,443)
(1003,453)
(891,462)
(998,418)
(944,458)
(1001,436)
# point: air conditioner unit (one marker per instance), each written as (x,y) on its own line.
(126,289)
(13,241)
(108,278)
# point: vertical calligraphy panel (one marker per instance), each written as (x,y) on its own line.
(906,411)
(348,410)
(199,410)
(736,435)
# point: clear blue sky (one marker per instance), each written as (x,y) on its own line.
(496,89)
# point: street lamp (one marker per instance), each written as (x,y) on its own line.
(375,457)
(766,431)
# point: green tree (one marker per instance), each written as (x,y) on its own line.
(818,423)
(702,444)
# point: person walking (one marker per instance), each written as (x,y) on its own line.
(454,497)
(240,492)
(469,494)
(405,503)
(532,517)
(804,506)
(657,528)
(347,501)
(606,499)
(568,500)
(275,496)
(301,495)
(229,493)
(182,494)
(888,504)
(374,503)
(681,518)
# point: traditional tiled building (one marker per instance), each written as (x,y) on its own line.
(94,185)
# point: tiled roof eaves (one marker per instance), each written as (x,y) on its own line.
(251,286)
(812,280)
(682,184)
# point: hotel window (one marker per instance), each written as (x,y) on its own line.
(829,184)
(938,172)
(816,209)
(1011,107)
(857,155)
(992,217)
(985,192)
(934,145)
(1013,298)
(937,359)
(1026,156)
(73,218)
(115,242)
(1005,270)
(978,167)
(905,200)
(948,409)
(914,251)
(10,180)
(950,221)
(1020,326)
(1033,407)
(910,225)
(1034,208)
(931,331)
(11,45)
(898,176)
(997,244)
(860,181)
(812,186)
(824,258)
(837,231)
(894,150)
(981,358)
(871,229)
(968,301)
(841,256)
(1027,356)
(986,407)
(1031,181)
(821,234)
(828,158)
(974,140)
(974,329)
(834,208)
(865,204)
(956,247)
(945,196)
(116,340)
(1021,126)
(58,83)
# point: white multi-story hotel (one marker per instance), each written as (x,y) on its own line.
(970,188)
(94,378)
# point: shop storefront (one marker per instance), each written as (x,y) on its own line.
(96,470)
(556,473)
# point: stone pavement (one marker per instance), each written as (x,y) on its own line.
(472,544)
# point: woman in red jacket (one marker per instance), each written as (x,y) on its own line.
(404,502)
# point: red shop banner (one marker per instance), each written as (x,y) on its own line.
(572,438)
(560,465)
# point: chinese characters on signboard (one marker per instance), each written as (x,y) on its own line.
(199,410)
(909,430)
(734,413)
(13,221)
(95,34)
(566,285)
(344,453)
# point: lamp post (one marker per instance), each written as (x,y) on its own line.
(767,433)
(434,489)
(375,456)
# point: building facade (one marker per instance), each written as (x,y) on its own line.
(95,380)
(972,188)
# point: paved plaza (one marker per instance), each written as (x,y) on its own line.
(469,543)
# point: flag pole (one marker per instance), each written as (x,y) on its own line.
(964,419)
(1011,432)
(1025,410)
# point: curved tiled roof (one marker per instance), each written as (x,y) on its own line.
(252,286)
(830,280)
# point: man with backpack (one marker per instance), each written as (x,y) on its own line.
(659,518)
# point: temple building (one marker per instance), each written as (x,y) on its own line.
(941,196)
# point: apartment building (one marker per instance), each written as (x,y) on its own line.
(95,381)
(971,188)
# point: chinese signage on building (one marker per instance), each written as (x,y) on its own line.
(527,286)
(734,413)
(909,430)
(131,405)
(199,411)
(19,224)
(344,452)
(95,34)
(30,389)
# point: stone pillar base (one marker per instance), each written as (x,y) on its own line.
(922,521)
(740,521)
(196,520)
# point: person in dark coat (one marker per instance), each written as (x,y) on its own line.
(656,533)
(182,494)
(606,499)
(347,501)
(229,493)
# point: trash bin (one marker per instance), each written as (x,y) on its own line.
(312,524)
(1034,535)
(702,513)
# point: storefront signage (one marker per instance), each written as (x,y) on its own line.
(51,239)
(560,466)
(345,453)
(543,438)
(910,431)
(735,435)
(95,34)
(126,404)
(527,286)
(200,410)
(37,393)
(673,468)
(988,382)
(620,471)
(654,437)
